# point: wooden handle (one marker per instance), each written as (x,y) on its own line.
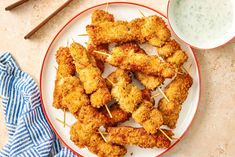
(16,4)
(47,19)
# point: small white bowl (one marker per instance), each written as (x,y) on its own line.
(203,24)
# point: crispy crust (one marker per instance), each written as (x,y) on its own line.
(94,142)
(139,137)
(176,92)
(129,60)
(90,76)
(152,29)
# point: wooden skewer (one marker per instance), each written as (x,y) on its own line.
(107,6)
(155,95)
(82,34)
(102,135)
(110,81)
(16,4)
(63,122)
(103,53)
(110,114)
(64,118)
(164,95)
(47,19)
(165,134)
(141,13)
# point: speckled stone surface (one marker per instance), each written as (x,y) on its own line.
(212,131)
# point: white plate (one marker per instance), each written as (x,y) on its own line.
(121,11)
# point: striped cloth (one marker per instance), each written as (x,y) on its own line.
(29,132)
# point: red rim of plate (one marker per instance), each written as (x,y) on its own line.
(136,4)
(208,48)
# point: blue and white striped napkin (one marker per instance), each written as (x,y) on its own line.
(29,132)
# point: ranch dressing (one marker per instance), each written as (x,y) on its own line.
(202,21)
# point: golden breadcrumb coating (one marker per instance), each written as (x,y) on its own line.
(176,92)
(127,59)
(65,69)
(90,76)
(139,137)
(91,118)
(178,58)
(155,31)
(141,114)
(94,142)
(119,116)
(74,96)
(152,29)
(172,53)
(149,82)
(98,146)
(116,75)
(148,116)
(127,95)
(168,49)
(100,97)
(99,16)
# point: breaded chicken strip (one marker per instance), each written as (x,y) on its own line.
(176,92)
(94,142)
(116,75)
(127,95)
(168,49)
(149,117)
(172,53)
(119,116)
(131,100)
(149,82)
(127,59)
(66,68)
(74,96)
(69,93)
(152,29)
(92,118)
(90,76)
(97,17)
(139,137)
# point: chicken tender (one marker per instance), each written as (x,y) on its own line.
(127,95)
(97,17)
(116,75)
(90,76)
(94,142)
(74,96)
(152,29)
(66,68)
(91,118)
(129,60)
(149,117)
(119,116)
(150,82)
(139,137)
(176,92)
(168,49)
(172,53)
(147,95)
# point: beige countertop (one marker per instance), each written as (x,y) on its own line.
(211,133)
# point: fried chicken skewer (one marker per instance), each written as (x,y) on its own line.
(132,61)
(151,29)
(97,17)
(69,93)
(139,137)
(130,99)
(90,76)
(176,92)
